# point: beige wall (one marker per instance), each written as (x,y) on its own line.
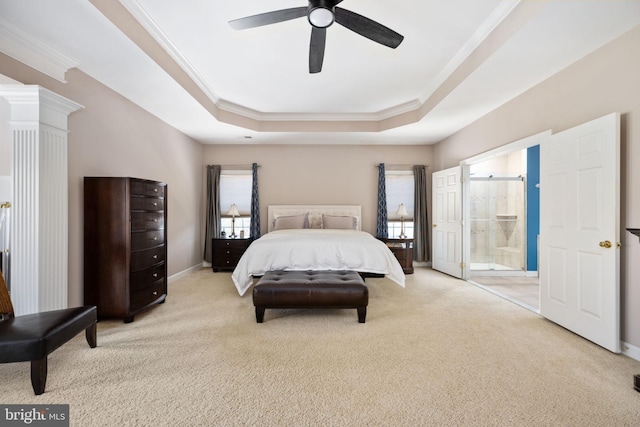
(308,174)
(113,137)
(606,81)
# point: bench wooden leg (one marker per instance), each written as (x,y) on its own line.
(259,314)
(362,313)
(91,334)
(39,375)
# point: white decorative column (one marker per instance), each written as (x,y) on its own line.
(39,223)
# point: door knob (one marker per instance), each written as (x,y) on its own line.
(605,244)
(435,225)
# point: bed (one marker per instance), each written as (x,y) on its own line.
(315,238)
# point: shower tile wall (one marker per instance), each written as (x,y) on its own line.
(497,219)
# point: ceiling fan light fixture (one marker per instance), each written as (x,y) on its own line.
(320,16)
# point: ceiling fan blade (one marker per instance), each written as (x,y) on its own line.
(268,18)
(368,28)
(316,49)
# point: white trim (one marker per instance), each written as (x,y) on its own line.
(184,273)
(498,15)
(24,47)
(631,351)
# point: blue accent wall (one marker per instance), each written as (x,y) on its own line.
(533,206)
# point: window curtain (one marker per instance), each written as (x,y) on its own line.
(254,232)
(382,228)
(213,224)
(420,219)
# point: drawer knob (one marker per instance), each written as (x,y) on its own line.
(155,292)
(155,257)
(155,220)
(155,238)
(155,274)
(155,204)
(155,190)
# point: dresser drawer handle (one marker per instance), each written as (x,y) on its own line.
(155,257)
(154,220)
(155,204)
(154,238)
(155,274)
(155,190)
(155,292)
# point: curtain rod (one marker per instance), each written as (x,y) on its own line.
(240,167)
(399,166)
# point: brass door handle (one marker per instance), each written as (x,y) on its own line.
(606,244)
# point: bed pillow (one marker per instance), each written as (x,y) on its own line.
(291,222)
(315,221)
(339,222)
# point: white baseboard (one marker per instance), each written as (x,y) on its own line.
(422,263)
(631,350)
(184,273)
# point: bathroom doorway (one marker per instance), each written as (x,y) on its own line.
(503,226)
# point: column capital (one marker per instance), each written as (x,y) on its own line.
(32,103)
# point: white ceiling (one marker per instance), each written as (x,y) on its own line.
(181,61)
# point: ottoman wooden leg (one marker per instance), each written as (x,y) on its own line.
(259,314)
(362,313)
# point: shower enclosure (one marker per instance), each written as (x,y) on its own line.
(497,214)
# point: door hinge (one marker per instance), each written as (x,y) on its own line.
(461,178)
(462,265)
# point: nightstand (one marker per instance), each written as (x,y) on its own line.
(403,251)
(225,253)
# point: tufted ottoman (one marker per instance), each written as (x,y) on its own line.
(311,289)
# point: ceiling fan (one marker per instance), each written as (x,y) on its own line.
(321,14)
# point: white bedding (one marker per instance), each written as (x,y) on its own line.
(312,249)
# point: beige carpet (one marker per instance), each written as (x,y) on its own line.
(440,352)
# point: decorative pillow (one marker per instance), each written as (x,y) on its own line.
(315,221)
(291,222)
(339,222)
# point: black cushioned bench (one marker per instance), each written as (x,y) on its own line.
(311,289)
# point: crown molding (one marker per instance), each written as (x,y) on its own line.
(34,52)
(498,15)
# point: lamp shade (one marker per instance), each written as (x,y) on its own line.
(402,211)
(233,211)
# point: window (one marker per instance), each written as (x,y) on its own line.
(235,188)
(399,185)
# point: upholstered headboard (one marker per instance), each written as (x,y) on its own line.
(315,212)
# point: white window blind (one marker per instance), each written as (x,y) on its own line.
(235,187)
(399,185)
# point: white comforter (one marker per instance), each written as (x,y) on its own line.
(313,249)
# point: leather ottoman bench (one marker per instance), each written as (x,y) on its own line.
(311,289)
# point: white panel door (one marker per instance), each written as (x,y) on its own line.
(447,221)
(579,230)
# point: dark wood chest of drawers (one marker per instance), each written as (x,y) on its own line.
(125,245)
(227,252)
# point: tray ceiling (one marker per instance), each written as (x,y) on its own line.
(182,62)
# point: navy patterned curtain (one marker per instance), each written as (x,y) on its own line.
(254,232)
(213,223)
(382,227)
(420,219)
